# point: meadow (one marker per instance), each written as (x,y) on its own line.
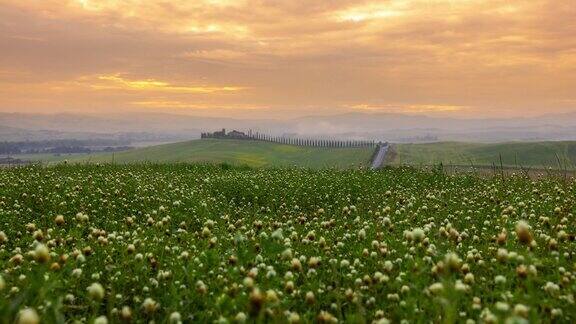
(517,155)
(237,152)
(556,155)
(176,243)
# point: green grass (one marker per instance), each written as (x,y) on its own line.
(515,154)
(264,154)
(194,243)
(48,157)
(237,152)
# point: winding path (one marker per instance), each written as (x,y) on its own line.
(380,156)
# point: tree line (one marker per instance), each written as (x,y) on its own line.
(314,142)
(61,146)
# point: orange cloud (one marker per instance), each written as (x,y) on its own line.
(494,57)
(172,104)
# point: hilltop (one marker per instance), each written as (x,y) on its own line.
(267,154)
(237,152)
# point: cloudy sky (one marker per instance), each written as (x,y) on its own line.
(281,59)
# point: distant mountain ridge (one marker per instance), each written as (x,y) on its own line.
(389,126)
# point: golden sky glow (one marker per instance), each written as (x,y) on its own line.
(467,58)
(117,82)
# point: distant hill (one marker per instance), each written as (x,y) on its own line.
(359,125)
(238,152)
(525,154)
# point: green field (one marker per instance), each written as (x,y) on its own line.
(48,157)
(190,243)
(237,152)
(265,154)
(520,154)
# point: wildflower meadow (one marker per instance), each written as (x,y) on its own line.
(183,243)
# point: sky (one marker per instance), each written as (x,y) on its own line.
(284,59)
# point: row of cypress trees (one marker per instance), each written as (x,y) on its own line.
(312,142)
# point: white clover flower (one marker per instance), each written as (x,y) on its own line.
(286,254)
(453,261)
(502,255)
(382,321)
(101,320)
(310,298)
(460,286)
(277,235)
(271,274)
(241,317)
(502,306)
(393,297)
(3,237)
(293,318)
(69,298)
(175,318)
(28,316)
(201,287)
(81,258)
(499,279)
(126,313)
(248,282)
(271,296)
(523,232)
(96,291)
(418,234)
(551,288)
(313,262)
(521,310)
(149,305)
(436,288)
(388,265)
(295,264)
(289,286)
(556,312)
(59,220)
(41,253)
(77,273)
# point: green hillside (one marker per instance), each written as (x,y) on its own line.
(238,152)
(265,154)
(530,154)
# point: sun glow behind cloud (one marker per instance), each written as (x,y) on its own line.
(117,82)
(483,57)
(371,11)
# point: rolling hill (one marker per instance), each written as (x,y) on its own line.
(514,154)
(265,154)
(238,152)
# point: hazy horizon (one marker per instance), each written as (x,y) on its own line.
(191,114)
(289,59)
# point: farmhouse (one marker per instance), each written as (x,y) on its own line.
(222,134)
